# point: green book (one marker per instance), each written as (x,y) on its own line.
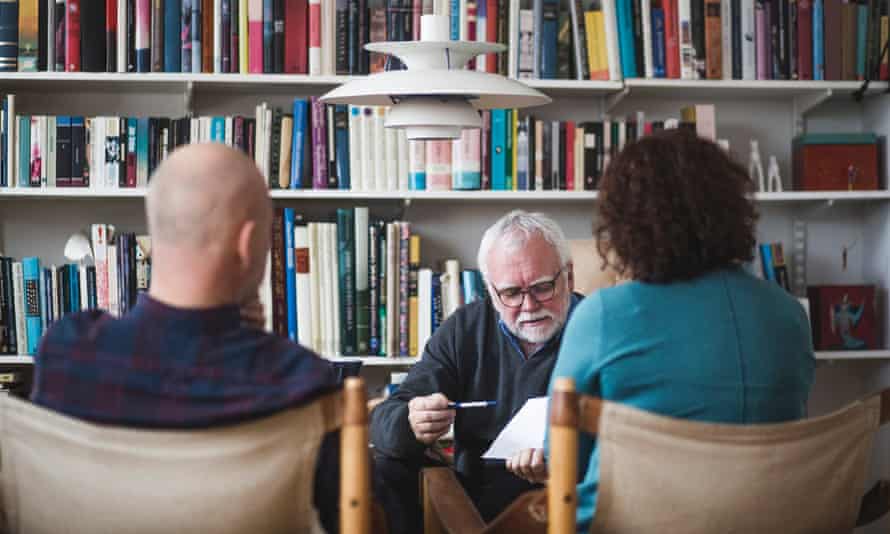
(346,270)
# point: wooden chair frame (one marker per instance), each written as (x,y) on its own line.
(448,509)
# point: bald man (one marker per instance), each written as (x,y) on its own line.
(182,358)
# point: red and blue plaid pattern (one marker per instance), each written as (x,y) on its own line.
(165,367)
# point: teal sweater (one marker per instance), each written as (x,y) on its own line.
(725,347)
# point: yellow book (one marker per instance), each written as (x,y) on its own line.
(242,37)
(602,54)
(592,55)
(515,127)
(413,267)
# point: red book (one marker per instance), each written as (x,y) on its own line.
(296,38)
(671,38)
(491,33)
(471,28)
(570,155)
(805,39)
(72,30)
(255,36)
(111,35)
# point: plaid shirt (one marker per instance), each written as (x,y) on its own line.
(166,367)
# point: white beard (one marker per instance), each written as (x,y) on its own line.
(534,333)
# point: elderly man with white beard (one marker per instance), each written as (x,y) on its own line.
(503,349)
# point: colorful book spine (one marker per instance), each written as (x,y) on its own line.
(438,165)
(346,280)
(290,274)
(468,174)
(498,149)
(861,35)
(373,288)
(172,35)
(255,36)
(319,145)
(298,143)
(818,40)
(362,296)
(31,291)
(417,165)
(404,239)
(658,41)
(315,37)
(413,268)
(341,142)
(28,35)
(9,35)
(627,46)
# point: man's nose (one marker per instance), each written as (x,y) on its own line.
(529,303)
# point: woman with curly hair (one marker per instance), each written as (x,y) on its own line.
(686,332)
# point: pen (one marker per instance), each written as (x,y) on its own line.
(474,404)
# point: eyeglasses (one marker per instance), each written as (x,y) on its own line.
(513,297)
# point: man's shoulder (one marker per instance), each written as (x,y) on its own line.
(290,362)
(74,330)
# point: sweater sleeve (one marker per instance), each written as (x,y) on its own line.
(436,372)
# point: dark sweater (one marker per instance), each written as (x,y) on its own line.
(468,358)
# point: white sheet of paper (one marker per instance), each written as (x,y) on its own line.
(525,431)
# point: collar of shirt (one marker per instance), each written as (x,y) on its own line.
(514,341)
(216,319)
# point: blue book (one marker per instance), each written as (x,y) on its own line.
(471,284)
(31,290)
(298,158)
(417,168)
(341,142)
(268,35)
(9,36)
(658,38)
(24,140)
(73,288)
(818,40)
(290,280)
(861,33)
(498,149)
(455,20)
(142,151)
(436,292)
(196,35)
(172,35)
(185,40)
(626,44)
(549,33)
(218,129)
(766,261)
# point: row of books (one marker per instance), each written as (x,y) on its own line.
(771,258)
(355,286)
(320,146)
(32,296)
(222,36)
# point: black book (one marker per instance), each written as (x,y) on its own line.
(364,28)
(275,142)
(736,23)
(63,151)
(78,153)
(529,122)
(636,13)
(235,41)
(4,312)
(131,35)
(562,185)
(268,36)
(353,43)
(342,38)
(547,140)
(589,144)
(278,35)
(226,22)
(408,20)
(64,276)
(42,27)
(393,30)
(697,16)
(91,297)
(503,16)
(331,132)
(793,72)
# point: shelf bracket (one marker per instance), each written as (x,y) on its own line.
(189,92)
(804,104)
(615,98)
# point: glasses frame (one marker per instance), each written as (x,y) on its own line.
(527,292)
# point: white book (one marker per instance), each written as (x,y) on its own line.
(50,43)
(13,178)
(114,305)
(646,12)
(18,293)
(333,273)
(355,149)
(749,51)
(205,126)
(579,158)
(324,300)
(327,42)
(393,233)
(97,149)
(315,286)
(403,159)
(424,307)
(684,34)
(464,23)
(229,131)
(361,261)
(55,295)
(392,159)
(122,40)
(369,181)
(217,36)
(611,30)
(44,150)
(51,151)
(267,142)
(195,131)
(314,51)
(726,35)
(99,239)
(266,297)
(382,144)
(258,146)
(303,282)
(513,40)
(84,287)
(454,301)
(525,55)
(416,160)
(330,287)
(481,37)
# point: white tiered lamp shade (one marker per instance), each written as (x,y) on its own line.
(435,98)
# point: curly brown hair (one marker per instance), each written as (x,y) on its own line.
(674,206)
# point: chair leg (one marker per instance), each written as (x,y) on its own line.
(431,522)
(355,485)
(561,491)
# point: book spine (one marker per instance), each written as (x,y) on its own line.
(373,288)
(738,39)
(861,40)
(21,332)
(72,35)
(290,275)
(467,175)
(298,151)
(5,323)
(713,40)
(413,268)
(303,291)
(172,32)
(687,49)
(438,165)
(346,263)
(27,36)
(255,36)
(362,297)
(749,40)
(341,53)
(417,165)
(296,37)
(658,40)
(805,53)
(331,148)
(157,35)
(341,142)
(319,145)
(403,238)
(315,37)
(31,294)
(726,33)
(699,37)
(143,35)
(9,35)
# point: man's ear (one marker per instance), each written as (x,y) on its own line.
(247,234)
(570,276)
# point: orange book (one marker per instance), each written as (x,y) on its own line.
(207,20)
(713,40)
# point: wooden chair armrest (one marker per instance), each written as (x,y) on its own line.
(525,515)
(875,503)
(446,507)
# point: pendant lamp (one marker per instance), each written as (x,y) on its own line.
(435,97)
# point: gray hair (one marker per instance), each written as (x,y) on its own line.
(520,226)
